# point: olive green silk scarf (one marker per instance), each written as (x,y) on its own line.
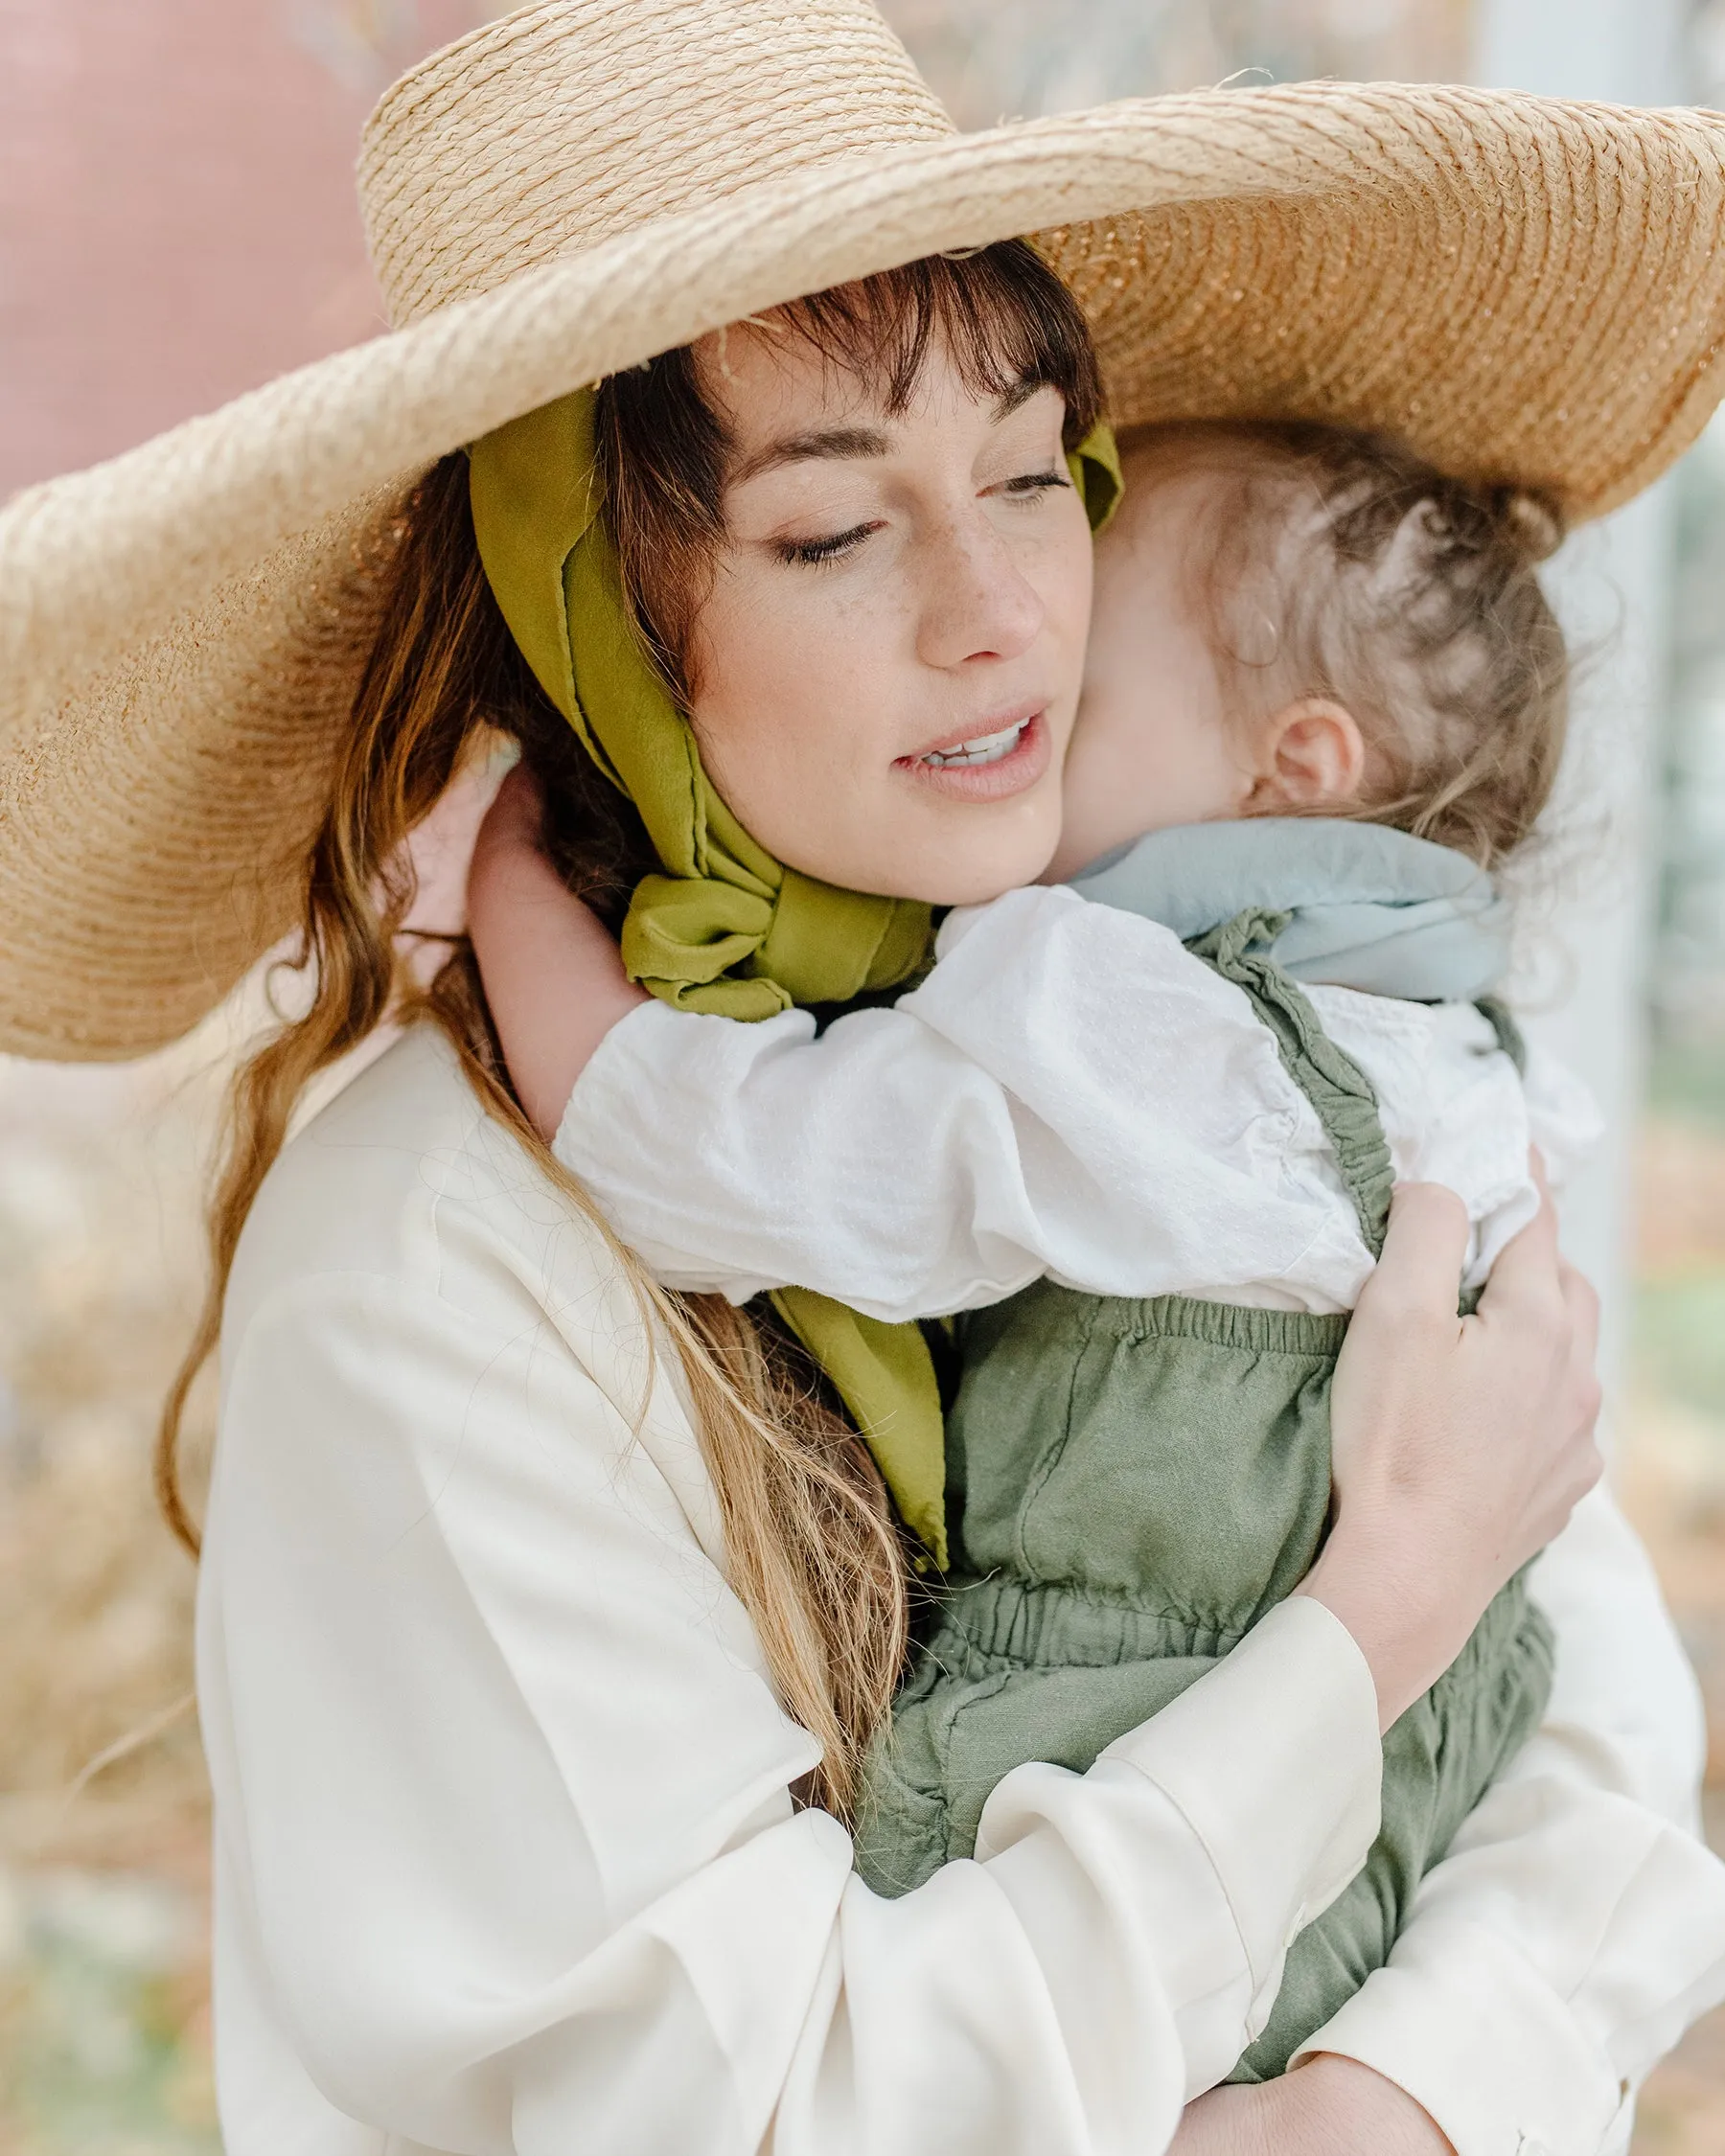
(725,928)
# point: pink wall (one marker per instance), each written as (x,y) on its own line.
(177,204)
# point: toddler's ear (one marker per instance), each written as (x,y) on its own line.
(1312,754)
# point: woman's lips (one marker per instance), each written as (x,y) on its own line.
(979,749)
(996,761)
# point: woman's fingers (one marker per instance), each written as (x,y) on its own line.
(1228,2122)
(1528,1277)
(1327,2106)
(1459,1447)
(1424,1252)
(1582,1302)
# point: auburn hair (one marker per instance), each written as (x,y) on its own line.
(811,1549)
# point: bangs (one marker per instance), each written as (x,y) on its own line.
(1001,314)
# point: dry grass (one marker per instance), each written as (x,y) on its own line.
(98,1270)
(102,2029)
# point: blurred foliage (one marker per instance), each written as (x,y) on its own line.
(1687,989)
(1680,1340)
(1686,1080)
(104,2049)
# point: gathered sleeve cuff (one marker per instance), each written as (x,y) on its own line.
(1267,1774)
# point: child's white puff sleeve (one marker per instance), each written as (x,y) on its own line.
(1069,1093)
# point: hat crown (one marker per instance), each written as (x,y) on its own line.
(566,125)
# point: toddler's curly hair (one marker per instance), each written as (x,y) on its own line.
(1339,565)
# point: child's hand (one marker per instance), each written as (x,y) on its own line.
(514,824)
(552,976)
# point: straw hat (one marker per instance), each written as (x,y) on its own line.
(1524,290)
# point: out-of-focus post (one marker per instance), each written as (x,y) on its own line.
(1611,585)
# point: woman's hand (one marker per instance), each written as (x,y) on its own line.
(1330,2107)
(1461,1445)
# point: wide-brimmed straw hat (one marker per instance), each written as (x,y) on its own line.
(1523,290)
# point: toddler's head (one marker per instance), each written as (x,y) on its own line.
(1299,620)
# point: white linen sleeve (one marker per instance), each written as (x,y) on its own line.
(1578,1925)
(1069,1093)
(504,1818)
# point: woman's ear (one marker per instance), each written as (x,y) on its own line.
(1310,754)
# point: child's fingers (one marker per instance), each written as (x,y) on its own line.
(514,824)
(520,797)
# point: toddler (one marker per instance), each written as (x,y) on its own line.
(1136,1132)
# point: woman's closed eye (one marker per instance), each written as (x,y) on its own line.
(815,551)
(834,546)
(1037,482)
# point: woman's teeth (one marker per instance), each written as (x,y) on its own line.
(986,748)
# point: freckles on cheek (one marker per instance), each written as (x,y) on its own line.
(812,647)
(751,682)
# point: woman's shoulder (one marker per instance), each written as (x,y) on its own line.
(404,1176)
(409,1265)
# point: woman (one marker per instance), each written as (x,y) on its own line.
(534,1610)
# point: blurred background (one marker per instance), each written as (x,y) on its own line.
(176,224)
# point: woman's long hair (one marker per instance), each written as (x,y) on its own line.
(811,1550)
(811,1547)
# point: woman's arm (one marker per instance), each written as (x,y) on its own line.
(508,1854)
(1576,1929)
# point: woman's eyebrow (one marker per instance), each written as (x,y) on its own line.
(1018,393)
(826,441)
(833,443)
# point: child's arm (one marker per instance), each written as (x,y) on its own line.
(552,976)
(1069,1093)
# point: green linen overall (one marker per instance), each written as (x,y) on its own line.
(1131,1485)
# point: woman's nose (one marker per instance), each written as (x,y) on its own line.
(974,600)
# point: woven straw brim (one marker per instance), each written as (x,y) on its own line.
(1523,290)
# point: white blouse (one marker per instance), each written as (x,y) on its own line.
(1069,1093)
(506,1858)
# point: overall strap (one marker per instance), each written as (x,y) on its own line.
(1338,1091)
(1497,1015)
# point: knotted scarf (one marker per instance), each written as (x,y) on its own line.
(725,928)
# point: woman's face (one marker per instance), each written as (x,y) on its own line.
(884,677)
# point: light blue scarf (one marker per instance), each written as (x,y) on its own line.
(1369,908)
